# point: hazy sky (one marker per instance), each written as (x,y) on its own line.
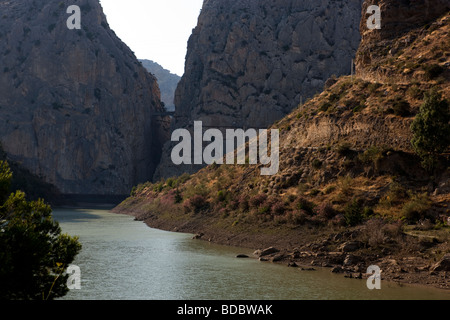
(157,30)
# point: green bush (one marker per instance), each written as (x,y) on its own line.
(304,205)
(178,196)
(344,149)
(417,208)
(316,164)
(33,252)
(431,129)
(371,155)
(196,203)
(223,195)
(354,213)
(158,187)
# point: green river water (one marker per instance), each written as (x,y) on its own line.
(123,259)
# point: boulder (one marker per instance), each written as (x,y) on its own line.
(337,269)
(351,259)
(278,257)
(350,246)
(443,265)
(268,251)
(198,236)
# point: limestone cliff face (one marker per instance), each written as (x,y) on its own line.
(249,63)
(75,105)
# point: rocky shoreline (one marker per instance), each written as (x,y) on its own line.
(409,270)
(342,253)
(351,264)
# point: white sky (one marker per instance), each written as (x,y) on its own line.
(157,30)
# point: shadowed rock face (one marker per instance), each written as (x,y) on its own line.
(75,105)
(249,63)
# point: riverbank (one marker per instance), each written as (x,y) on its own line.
(343,251)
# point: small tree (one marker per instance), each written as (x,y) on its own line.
(431,129)
(33,252)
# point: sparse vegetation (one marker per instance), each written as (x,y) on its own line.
(417,208)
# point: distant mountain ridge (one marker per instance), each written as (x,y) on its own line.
(167,82)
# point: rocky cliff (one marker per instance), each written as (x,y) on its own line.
(249,63)
(75,105)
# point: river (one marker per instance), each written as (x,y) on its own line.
(123,259)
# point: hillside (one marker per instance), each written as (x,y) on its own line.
(167,82)
(75,105)
(351,192)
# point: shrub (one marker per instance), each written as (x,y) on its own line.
(394,195)
(353,213)
(326,210)
(171,183)
(344,149)
(278,208)
(329,189)
(222,195)
(373,87)
(297,217)
(183,178)
(393,230)
(431,129)
(401,108)
(346,185)
(158,187)
(374,232)
(244,203)
(305,205)
(432,71)
(417,208)
(316,164)
(257,200)
(325,106)
(263,210)
(196,203)
(371,155)
(178,196)
(415,92)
